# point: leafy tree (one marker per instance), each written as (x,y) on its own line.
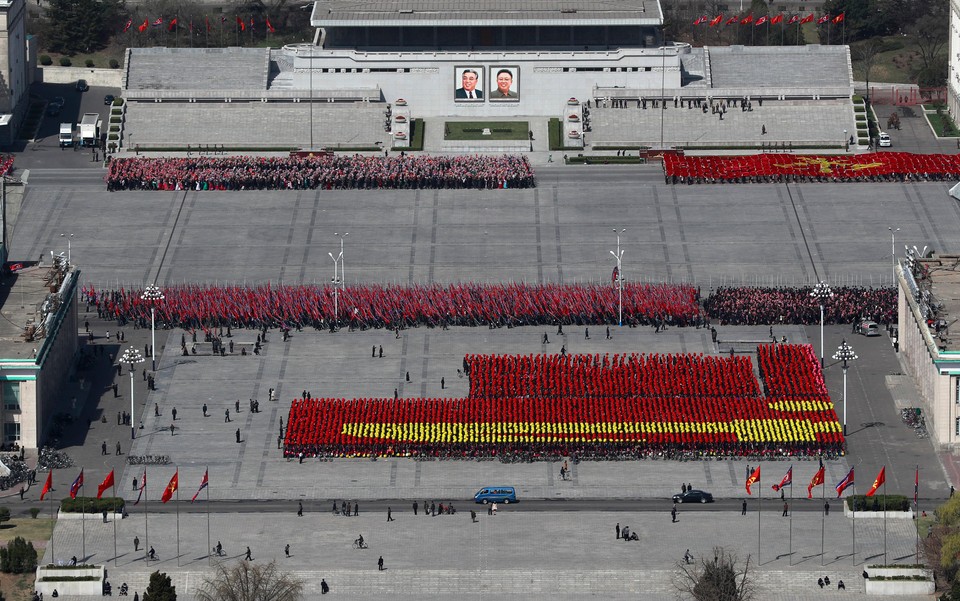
(929,33)
(160,588)
(4,514)
(720,578)
(74,26)
(246,581)
(864,18)
(18,557)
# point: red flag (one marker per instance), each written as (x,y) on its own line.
(816,481)
(777,19)
(716,20)
(270,27)
(700,20)
(753,479)
(614,276)
(203,484)
(173,24)
(47,486)
(159,21)
(881,478)
(793,19)
(838,18)
(107,483)
(207,22)
(171,487)
(143,485)
(128,25)
(761,21)
(807,19)
(732,20)
(143,27)
(823,19)
(75,487)
(241,25)
(746,20)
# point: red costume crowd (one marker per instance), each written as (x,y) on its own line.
(320,172)
(590,407)
(761,306)
(878,166)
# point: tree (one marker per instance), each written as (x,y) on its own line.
(160,588)
(246,581)
(74,26)
(865,54)
(929,33)
(4,514)
(18,557)
(720,578)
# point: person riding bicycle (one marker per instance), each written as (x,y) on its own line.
(151,553)
(360,541)
(219,549)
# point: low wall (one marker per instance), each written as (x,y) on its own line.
(900,588)
(874,572)
(891,515)
(95,77)
(70,587)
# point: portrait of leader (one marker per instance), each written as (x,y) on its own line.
(507,80)
(469,84)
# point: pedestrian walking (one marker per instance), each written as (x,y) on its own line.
(618,530)
(299,509)
(473,516)
(673,515)
(786,509)
(414,508)
(115,391)
(546,339)
(608,332)
(356,508)
(226,416)
(171,429)
(324,588)
(443,384)
(743,508)
(373,352)
(136,544)
(118,447)
(103,448)
(286,550)
(586,333)
(433,509)
(204,410)
(248,556)
(21,492)
(238,435)
(380,564)
(156,410)
(119,418)
(381,351)
(826,508)
(389,515)
(173,412)
(237,406)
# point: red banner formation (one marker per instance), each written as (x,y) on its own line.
(553,405)
(834,167)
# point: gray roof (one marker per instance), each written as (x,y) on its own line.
(198,68)
(809,67)
(465,13)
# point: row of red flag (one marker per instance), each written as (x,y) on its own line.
(718,20)
(841,486)
(108,482)
(241,24)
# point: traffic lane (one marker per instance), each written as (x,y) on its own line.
(651,173)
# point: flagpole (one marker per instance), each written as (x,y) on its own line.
(790,514)
(114,489)
(83,520)
(916,503)
(53,555)
(146,512)
(884,520)
(853,521)
(823,521)
(759,512)
(178,515)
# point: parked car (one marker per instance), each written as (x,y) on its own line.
(693,496)
(869,328)
(108,99)
(885,140)
(82,85)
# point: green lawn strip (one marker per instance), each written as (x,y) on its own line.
(473,130)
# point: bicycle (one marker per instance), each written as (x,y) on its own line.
(360,544)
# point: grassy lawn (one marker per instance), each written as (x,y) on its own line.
(897,64)
(473,130)
(941,123)
(19,587)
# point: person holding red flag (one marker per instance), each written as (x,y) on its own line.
(753,479)
(77,485)
(107,483)
(171,487)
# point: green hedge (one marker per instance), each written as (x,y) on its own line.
(416,134)
(553,127)
(91,504)
(69,578)
(900,577)
(45,60)
(118,102)
(865,503)
(910,566)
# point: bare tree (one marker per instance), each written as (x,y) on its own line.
(865,53)
(246,581)
(720,578)
(930,35)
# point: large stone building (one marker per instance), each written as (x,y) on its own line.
(953,60)
(14,80)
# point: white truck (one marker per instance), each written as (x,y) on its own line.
(90,129)
(66,134)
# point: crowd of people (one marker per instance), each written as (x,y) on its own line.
(878,166)
(391,307)
(320,172)
(591,414)
(741,305)
(6,163)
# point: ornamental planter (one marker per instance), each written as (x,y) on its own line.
(93,587)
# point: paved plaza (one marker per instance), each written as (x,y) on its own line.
(708,235)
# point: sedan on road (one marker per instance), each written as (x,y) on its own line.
(82,85)
(693,496)
(108,99)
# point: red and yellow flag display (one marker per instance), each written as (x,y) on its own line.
(881,478)
(171,487)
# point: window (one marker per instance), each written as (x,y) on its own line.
(11,432)
(957,431)
(11,396)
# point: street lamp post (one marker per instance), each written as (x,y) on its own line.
(822,293)
(69,249)
(893,252)
(845,353)
(343,275)
(132,357)
(336,282)
(152,294)
(619,257)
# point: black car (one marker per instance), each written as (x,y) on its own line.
(693,496)
(82,85)
(108,99)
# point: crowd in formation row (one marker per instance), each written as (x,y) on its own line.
(879,166)
(392,307)
(740,305)
(588,415)
(320,172)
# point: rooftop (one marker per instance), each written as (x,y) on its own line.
(466,13)
(22,298)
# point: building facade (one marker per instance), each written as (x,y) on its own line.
(14,72)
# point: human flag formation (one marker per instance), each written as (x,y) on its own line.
(107,483)
(203,484)
(75,487)
(845,483)
(47,486)
(787,480)
(143,485)
(881,478)
(171,487)
(817,480)
(753,479)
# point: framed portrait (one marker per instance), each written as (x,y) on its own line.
(468,84)
(504,83)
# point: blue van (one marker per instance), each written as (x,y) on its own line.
(496,494)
